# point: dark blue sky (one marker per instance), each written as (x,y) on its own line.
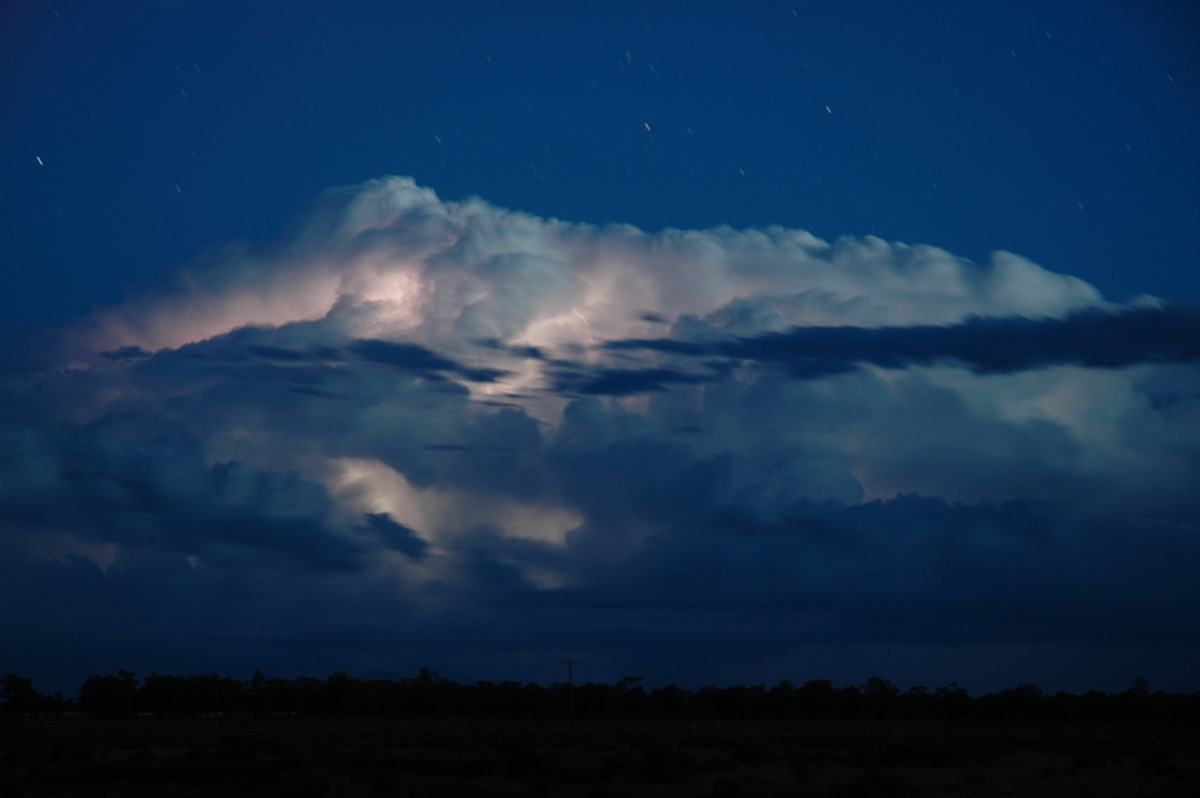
(704,342)
(1066,132)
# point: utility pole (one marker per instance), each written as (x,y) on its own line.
(570,663)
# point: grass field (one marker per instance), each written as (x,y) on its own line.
(83,756)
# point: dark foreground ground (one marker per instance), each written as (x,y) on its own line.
(82,756)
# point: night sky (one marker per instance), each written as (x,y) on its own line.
(704,342)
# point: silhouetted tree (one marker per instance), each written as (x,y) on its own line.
(782,700)
(631,697)
(818,699)
(110,695)
(1025,701)
(671,701)
(431,695)
(881,696)
(917,702)
(18,695)
(952,701)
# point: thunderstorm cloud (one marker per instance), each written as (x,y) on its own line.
(496,435)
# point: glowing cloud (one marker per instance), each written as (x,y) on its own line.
(451,411)
(389,256)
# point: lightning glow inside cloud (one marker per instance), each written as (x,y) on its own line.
(408,414)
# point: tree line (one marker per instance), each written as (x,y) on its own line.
(430,695)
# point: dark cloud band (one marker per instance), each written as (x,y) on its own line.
(1091,338)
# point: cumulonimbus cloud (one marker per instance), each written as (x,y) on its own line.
(408,414)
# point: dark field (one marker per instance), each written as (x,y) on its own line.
(86,756)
